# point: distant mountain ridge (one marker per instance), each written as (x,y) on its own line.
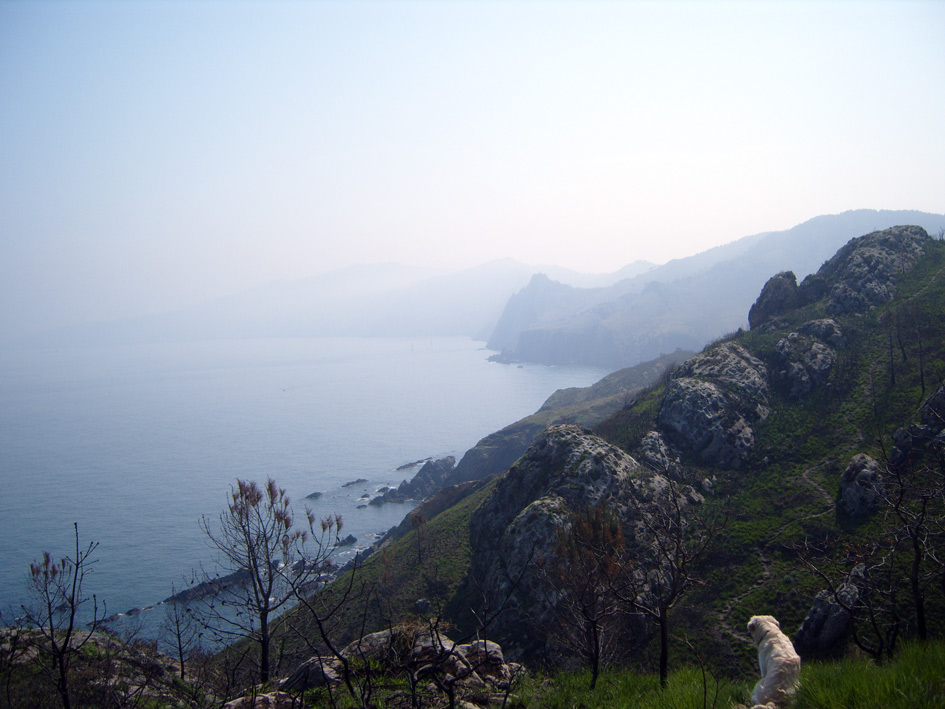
(390,300)
(550,315)
(683,304)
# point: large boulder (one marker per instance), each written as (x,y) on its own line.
(778,296)
(513,533)
(921,441)
(825,329)
(828,621)
(861,486)
(654,451)
(802,363)
(315,672)
(712,404)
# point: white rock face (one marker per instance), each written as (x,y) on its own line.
(802,362)
(864,272)
(711,406)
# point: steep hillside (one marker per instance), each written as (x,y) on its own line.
(776,418)
(685,303)
(770,430)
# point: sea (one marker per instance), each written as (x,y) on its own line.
(137,443)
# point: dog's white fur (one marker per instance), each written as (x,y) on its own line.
(780,665)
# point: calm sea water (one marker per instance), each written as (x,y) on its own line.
(137,443)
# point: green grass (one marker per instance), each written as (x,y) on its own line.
(914,679)
(623,688)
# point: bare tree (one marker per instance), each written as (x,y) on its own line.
(913,492)
(869,593)
(673,538)
(588,562)
(181,629)
(57,590)
(263,553)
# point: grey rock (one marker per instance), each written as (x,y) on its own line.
(861,486)
(734,367)
(802,363)
(939,441)
(828,622)
(315,672)
(470,669)
(566,469)
(778,296)
(863,273)
(712,403)
(434,475)
(818,361)
(655,452)
(272,700)
(826,329)
(347,541)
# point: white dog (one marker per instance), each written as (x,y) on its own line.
(780,665)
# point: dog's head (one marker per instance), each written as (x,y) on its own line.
(760,625)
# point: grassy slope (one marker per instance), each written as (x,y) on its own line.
(786,492)
(914,680)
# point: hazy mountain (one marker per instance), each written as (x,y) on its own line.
(683,304)
(369,300)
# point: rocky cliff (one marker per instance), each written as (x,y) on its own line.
(689,302)
(566,469)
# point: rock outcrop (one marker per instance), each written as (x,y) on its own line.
(861,486)
(778,296)
(801,362)
(860,276)
(475,673)
(434,475)
(828,621)
(915,443)
(712,403)
(863,273)
(657,454)
(565,470)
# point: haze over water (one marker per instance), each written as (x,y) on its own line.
(136,443)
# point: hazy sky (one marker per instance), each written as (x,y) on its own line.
(157,153)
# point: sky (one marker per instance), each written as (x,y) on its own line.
(157,154)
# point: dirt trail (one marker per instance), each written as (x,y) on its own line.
(737,631)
